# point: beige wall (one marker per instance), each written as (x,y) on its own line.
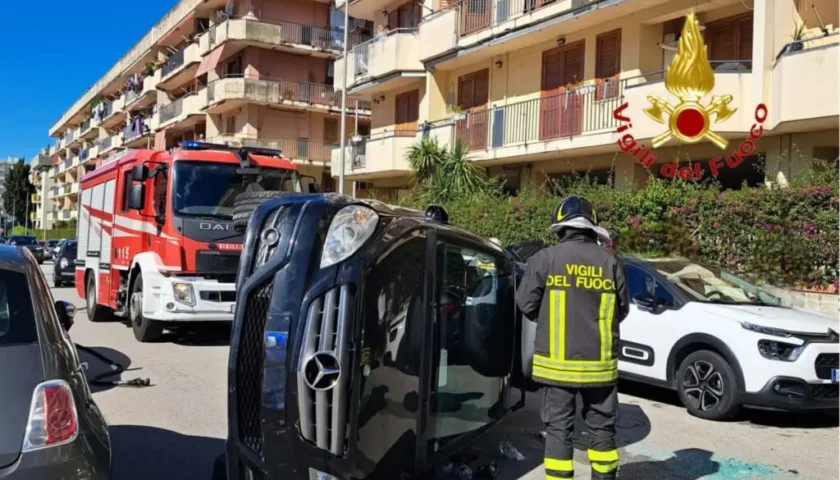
(296,11)
(383,116)
(271,64)
(255,121)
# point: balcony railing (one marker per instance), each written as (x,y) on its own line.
(295,148)
(300,34)
(131,131)
(105,143)
(172,110)
(478,15)
(84,155)
(572,112)
(173,63)
(85,126)
(131,96)
(69,137)
(271,90)
(68,162)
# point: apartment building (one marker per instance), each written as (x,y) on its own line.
(244,72)
(42,215)
(531,86)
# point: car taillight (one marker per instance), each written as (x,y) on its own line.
(53,419)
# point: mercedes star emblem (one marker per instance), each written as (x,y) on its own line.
(322,371)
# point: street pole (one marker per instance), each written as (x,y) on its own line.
(343,140)
(26,218)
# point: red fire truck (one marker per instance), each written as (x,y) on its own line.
(156,235)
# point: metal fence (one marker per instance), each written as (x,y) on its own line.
(477,15)
(84,154)
(323,38)
(168,112)
(85,126)
(105,143)
(172,63)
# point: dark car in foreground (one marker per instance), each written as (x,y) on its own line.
(369,341)
(50,426)
(64,268)
(30,243)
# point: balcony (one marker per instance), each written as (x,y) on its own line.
(180,68)
(581,119)
(377,156)
(238,33)
(800,77)
(383,63)
(84,155)
(232,92)
(185,111)
(366,9)
(137,134)
(292,148)
(113,113)
(89,129)
(42,161)
(108,144)
(134,100)
(36,198)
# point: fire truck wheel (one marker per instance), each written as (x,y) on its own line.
(145,330)
(96,313)
(246,203)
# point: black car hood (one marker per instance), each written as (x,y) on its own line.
(16,387)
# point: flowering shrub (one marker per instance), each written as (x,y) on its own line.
(783,236)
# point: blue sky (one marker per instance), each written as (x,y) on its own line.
(55,50)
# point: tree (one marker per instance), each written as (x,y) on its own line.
(441,174)
(18,192)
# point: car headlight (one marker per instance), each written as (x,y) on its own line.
(183,293)
(782,351)
(766,330)
(63,263)
(351,227)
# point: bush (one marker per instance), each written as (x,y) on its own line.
(783,236)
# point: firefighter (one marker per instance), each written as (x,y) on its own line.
(577,294)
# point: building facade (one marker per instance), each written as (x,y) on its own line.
(42,210)
(245,72)
(532,87)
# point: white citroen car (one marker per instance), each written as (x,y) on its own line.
(723,343)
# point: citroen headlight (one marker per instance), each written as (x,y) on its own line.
(775,332)
(782,351)
(183,293)
(351,227)
(63,263)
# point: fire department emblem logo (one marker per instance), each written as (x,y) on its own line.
(689,77)
(322,371)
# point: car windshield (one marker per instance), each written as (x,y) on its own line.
(205,188)
(22,240)
(713,285)
(17,322)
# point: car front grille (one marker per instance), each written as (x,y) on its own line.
(824,363)
(824,391)
(324,370)
(214,262)
(249,367)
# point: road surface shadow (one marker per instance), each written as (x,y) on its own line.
(199,334)
(142,452)
(687,464)
(522,430)
(757,417)
(98,366)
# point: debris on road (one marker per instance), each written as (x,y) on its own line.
(510,452)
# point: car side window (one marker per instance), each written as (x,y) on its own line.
(639,282)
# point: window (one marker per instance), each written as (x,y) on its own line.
(407,112)
(640,282)
(17,320)
(126,188)
(730,40)
(234,66)
(331,130)
(607,64)
(159,195)
(469,343)
(405,16)
(230,125)
(473,89)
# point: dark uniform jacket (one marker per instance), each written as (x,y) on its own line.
(577,293)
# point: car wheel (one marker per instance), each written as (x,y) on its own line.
(247,202)
(220,468)
(96,313)
(57,283)
(145,330)
(707,386)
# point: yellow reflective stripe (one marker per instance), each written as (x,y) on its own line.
(575,365)
(557,324)
(559,465)
(605,467)
(599,456)
(575,377)
(554,477)
(552,321)
(605,317)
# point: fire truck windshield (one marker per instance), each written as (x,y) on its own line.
(209,189)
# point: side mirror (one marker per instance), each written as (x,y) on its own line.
(645,301)
(136,196)
(139,173)
(65,311)
(314,187)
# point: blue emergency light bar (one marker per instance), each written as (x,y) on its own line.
(194,145)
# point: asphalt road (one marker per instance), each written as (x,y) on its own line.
(175,429)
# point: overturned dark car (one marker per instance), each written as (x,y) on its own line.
(369,341)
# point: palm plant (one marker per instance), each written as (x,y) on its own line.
(442,175)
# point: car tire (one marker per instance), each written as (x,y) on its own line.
(145,330)
(96,313)
(57,283)
(220,468)
(247,202)
(707,386)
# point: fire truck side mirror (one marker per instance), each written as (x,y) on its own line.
(136,196)
(140,173)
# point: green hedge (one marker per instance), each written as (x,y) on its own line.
(783,236)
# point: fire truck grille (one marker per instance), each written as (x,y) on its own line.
(249,367)
(324,370)
(216,263)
